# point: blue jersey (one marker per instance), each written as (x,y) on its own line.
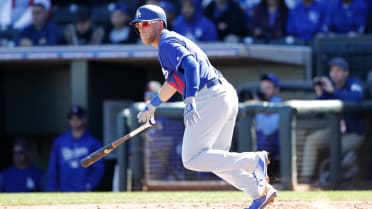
(172,49)
(197,28)
(305,21)
(65,172)
(14,179)
(344,19)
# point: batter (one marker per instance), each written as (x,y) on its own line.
(211,107)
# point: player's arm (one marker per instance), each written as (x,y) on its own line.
(166,92)
(192,78)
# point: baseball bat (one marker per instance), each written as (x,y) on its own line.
(102,152)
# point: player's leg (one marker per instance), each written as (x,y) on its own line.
(239,178)
(215,106)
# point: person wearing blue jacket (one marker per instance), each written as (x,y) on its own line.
(41,32)
(22,176)
(346,17)
(342,87)
(193,24)
(267,124)
(65,173)
(305,21)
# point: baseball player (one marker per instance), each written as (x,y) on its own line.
(211,107)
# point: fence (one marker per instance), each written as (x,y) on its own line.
(356,50)
(289,112)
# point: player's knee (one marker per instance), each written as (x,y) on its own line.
(190,164)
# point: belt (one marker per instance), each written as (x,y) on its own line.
(213,82)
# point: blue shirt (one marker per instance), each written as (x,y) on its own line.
(198,28)
(49,34)
(304,21)
(173,48)
(14,179)
(344,19)
(65,173)
(268,123)
(352,91)
(267,131)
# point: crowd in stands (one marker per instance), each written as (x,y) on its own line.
(71,22)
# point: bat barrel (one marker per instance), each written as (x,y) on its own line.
(97,155)
(100,153)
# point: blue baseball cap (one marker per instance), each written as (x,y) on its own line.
(77,111)
(339,62)
(270,77)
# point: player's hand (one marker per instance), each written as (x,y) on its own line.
(146,114)
(190,114)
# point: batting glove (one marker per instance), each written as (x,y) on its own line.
(146,114)
(190,114)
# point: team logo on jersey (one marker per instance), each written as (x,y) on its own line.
(165,73)
(356,87)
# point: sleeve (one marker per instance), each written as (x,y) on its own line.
(172,53)
(192,76)
(95,172)
(354,93)
(53,170)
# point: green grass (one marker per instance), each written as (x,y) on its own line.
(148,197)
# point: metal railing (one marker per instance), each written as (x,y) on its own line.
(289,111)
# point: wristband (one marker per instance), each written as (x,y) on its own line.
(156,101)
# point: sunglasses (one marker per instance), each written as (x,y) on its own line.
(144,24)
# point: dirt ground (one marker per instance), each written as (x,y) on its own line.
(276,205)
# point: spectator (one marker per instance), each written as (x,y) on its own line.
(267,124)
(193,24)
(22,176)
(346,17)
(119,31)
(342,87)
(41,32)
(83,32)
(17,14)
(228,17)
(170,12)
(269,20)
(306,20)
(65,173)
